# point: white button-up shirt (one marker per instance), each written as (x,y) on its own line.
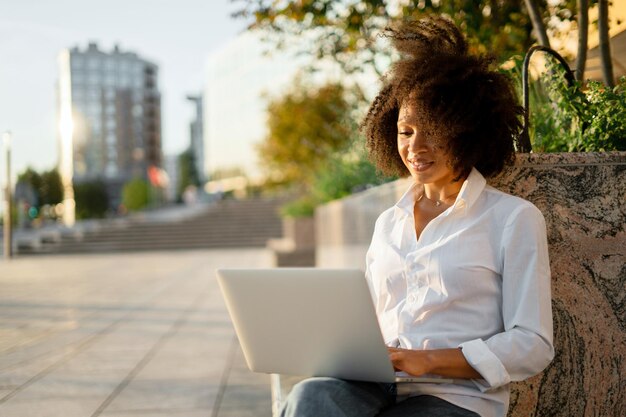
(478,278)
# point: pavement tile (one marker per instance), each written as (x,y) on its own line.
(206,412)
(149,328)
(5,391)
(97,361)
(21,373)
(62,385)
(165,394)
(244,400)
(51,407)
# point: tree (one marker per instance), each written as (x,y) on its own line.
(535,16)
(187,171)
(305,127)
(583,32)
(32,178)
(136,194)
(51,191)
(347,31)
(37,190)
(605,46)
(92,200)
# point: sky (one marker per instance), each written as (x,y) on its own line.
(178,36)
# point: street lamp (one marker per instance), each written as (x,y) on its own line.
(6,139)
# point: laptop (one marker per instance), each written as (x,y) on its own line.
(308,322)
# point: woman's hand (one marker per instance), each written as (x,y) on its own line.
(445,362)
(413,362)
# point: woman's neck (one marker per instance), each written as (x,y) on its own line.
(442,192)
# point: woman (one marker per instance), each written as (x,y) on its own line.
(458,271)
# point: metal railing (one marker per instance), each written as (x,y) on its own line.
(524,140)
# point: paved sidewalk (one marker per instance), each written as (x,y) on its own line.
(121,335)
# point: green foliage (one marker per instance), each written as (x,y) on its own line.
(188,174)
(47,188)
(606,117)
(313,144)
(33,178)
(570,119)
(51,190)
(341,178)
(346,31)
(92,200)
(136,194)
(344,177)
(305,127)
(566,118)
(302,207)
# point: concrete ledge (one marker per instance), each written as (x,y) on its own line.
(297,246)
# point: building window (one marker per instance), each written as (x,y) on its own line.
(77,77)
(94,78)
(76,62)
(137,110)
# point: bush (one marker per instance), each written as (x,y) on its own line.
(577,120)
(302,207)
(136,194)
(92,200)
(340,179)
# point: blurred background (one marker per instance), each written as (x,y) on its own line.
(134,107)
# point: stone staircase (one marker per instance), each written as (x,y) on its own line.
(225,224)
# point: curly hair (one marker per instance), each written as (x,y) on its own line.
(464,106)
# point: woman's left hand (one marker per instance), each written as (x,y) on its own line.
(413,362)
(445,362)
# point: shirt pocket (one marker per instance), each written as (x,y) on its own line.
(467,265)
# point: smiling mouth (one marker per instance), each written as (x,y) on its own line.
(420,166)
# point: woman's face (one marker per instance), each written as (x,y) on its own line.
(427,163)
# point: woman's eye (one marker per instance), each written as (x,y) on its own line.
(405,133)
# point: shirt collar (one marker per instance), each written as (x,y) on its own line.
(472,187)
(405,205)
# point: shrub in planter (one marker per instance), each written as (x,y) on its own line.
(340,178)
(576,119)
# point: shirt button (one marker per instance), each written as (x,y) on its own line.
(411,298)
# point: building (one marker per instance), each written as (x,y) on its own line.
(109,119)
(196,137)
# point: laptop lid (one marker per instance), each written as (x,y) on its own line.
(307,322)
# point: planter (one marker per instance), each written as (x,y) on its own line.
(297,247)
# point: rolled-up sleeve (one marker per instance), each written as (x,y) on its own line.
(525,346)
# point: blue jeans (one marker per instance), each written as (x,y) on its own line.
(330,397)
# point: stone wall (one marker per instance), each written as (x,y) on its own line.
(583,198)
